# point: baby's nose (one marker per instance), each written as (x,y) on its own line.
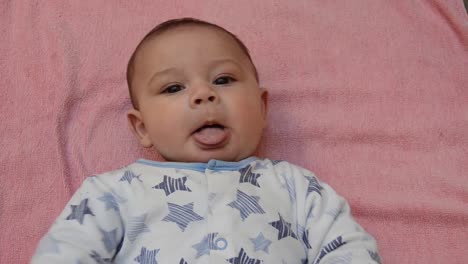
(204,95)
(210,98)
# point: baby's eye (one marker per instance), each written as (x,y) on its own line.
(224,80)
(173,89)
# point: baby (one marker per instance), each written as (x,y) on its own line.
(197,101)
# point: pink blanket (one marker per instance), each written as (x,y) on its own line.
(370,95)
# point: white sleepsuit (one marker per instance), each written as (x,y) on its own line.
(252,211)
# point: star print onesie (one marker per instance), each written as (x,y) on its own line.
(252,211)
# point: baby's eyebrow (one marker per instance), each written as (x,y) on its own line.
(224,61)
(163,72)
(213,63)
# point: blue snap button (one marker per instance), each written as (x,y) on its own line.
(211,164)
(221,244)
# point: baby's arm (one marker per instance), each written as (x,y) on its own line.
(333,234)
(89,230)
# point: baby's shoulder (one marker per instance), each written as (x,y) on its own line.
(126,174)
(284,167)
(287,173)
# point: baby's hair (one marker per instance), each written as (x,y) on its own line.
(171,24)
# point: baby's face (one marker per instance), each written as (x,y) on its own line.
(198,97)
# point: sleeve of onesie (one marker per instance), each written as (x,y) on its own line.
(89,229)
(331,234)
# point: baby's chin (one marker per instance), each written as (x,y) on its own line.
(206,156)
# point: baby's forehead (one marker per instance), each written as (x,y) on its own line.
(194,44)
(193,34)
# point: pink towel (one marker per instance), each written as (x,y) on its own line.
(370,95)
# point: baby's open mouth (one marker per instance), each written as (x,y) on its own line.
(210,135)
(218,126)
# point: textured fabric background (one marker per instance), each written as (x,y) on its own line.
(371,95)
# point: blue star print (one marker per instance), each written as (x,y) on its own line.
(284,228)
(170,185)
(261,243)
(136,226)
(289,185)
(110,239)
(129,176)
(181,215)
(375,256)
(246,205)
(242,258)
(111,201)
(260,166)
(203,248)
(305,236)
(208,243)
(248,176)
(147,256)
(79,211)
(310,214)
(333,245)
(314,185)
(274,162)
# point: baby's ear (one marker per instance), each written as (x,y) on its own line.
(264,97)
(137,126)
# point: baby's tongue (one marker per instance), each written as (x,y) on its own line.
(210,135)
